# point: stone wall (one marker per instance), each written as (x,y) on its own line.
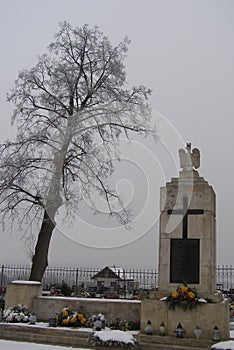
(22,292)
(205,316)
(130,310)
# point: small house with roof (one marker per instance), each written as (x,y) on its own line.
(115,278)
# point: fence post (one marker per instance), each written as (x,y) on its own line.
(77,273)
(2,272)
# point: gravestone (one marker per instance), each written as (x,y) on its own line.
(187,253)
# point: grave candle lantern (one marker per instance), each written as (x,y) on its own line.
(162,329)
(148,328)
(216,335)
(179,331)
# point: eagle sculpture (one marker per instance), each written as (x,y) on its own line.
(188,158)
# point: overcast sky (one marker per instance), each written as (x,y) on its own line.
(183,50)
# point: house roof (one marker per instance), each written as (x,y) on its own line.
(114,272)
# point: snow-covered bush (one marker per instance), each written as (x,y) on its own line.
(113,338)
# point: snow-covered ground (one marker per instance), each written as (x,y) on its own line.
(124,337)
(225,345)
(13,345)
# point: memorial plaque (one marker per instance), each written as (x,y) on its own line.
(185,261)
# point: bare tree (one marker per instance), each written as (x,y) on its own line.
(70,110)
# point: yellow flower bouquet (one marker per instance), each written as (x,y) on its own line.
(183,297)
(70,318)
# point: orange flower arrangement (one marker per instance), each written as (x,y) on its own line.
(67,317)
(65,321)
(183,297)
(184,288)
(65,312)
(175,294)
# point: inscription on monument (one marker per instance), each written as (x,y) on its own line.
(185,252)
(184,260)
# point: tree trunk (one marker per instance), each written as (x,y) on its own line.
(40,258)
(54,201)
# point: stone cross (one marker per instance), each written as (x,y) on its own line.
(185,212)
(185,252)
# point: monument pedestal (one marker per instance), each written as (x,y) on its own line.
(171,343)
(22,292)
(206,316)
(187,256)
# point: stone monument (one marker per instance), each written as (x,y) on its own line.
(187,251)
(187,254)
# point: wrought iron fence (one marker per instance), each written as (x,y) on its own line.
(225,278)
(83,277)
(80,277)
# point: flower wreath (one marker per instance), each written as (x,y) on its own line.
(183,297)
